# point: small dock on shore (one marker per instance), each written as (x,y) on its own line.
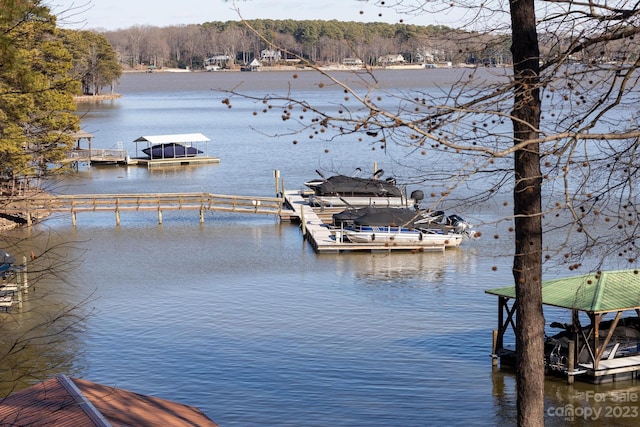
(315,225)
(14,286)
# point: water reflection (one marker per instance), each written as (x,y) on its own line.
(579,404)
(44,337)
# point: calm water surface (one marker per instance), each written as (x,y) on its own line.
(239,317)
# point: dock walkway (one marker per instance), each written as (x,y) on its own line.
(115,156)
(41,205)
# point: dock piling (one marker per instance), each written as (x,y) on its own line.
(494,356)
(571,362)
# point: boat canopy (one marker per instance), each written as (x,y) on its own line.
(184,138)
(600,292)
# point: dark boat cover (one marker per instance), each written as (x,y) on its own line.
(6,260)
(382,217)
(376,216)
(170,151)
(346,186)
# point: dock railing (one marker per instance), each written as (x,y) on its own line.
(148,202)
(96,155)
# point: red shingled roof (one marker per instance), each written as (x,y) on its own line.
(61,401)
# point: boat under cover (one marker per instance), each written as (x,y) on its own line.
(402,236)
(349,186)
(170,151)
(401,226)
(354,191)
(624,342)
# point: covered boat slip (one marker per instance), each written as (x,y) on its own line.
(607,348)
(181,149)
(155,150)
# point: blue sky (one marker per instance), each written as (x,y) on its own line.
(114,14)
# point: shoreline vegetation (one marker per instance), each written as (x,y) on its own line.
(18,206)
(276,68)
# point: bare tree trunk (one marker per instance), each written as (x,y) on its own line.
(527,263)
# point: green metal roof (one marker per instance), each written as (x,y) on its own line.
(595,292)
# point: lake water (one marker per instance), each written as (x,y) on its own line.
(238,316)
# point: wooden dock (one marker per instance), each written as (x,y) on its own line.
(315,221)
(293,206)
(14,287)
(42,205)
(121,157)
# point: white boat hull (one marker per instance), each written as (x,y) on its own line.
(388,235)
(335,201)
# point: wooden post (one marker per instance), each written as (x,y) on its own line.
(276,175)
(25,280)
(201,215)
(73,218)
(159,216)
(494,355)
(302,222)
(571,362)
(117,217)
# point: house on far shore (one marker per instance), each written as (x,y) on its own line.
(391,59)
(80,403)
(352,62)
(252,66)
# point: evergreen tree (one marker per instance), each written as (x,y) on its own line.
(36,93)
(95,63)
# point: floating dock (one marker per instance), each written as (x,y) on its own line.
(315,224)
(14,287)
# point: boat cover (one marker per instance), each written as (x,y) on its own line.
(170,151)
(352,186)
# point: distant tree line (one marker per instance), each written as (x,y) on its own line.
(232,44)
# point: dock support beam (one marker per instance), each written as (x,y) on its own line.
(302,223)
(571,358)
(117,217)
(494,355)
(73,218)
(201,215)
(276,175)
(159,216)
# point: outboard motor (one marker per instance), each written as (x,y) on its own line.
(459,224)
(390,180)
(418,197)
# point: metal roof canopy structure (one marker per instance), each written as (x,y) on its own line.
(595,294)
(186,139)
